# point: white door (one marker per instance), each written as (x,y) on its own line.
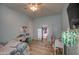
(39,33)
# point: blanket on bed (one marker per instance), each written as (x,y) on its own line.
(13,47)
(20,48)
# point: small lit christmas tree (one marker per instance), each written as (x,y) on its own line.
(69,38)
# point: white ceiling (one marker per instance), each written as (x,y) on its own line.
(46,9)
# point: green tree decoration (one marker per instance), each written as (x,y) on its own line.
(69,38)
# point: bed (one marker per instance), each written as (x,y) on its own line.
(11,47)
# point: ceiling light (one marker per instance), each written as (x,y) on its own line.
(34,6)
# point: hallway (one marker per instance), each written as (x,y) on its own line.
(40,48)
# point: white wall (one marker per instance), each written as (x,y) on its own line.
(53,22)
(0,24)
(65,20)
(10,23)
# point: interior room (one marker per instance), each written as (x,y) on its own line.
(39,28)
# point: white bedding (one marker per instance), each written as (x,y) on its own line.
(10,46)
(6,50)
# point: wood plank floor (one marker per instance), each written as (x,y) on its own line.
(40,48)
